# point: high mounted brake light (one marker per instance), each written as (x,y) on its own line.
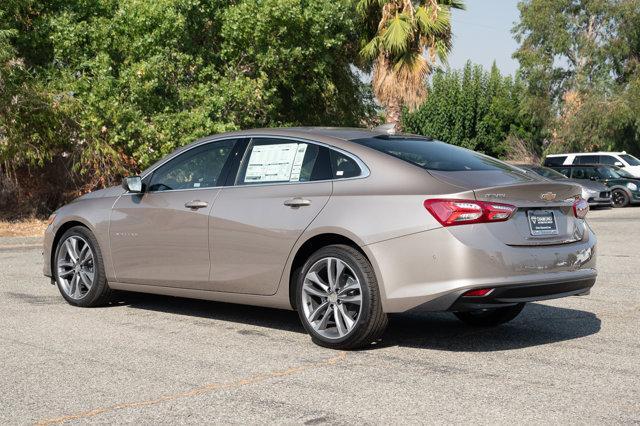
(451,212)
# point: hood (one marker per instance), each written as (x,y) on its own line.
(589,184)
(113,191)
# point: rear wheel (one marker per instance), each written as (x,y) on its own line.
(620,198)
(79,269)
(338,300)
(490,317)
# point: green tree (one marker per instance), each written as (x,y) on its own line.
(474,108)
(106,87)
(399,33)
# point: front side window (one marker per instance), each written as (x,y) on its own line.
(609,159)
(199,167)
(272,160)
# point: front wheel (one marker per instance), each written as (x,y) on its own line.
(490,317)
(79,269)
(620,198)
(338,299)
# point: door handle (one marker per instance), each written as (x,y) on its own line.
(297,202)
(196,204)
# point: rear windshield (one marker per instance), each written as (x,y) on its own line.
(433,155)
(548,173)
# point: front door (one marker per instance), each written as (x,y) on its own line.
(281,187)
(161,237)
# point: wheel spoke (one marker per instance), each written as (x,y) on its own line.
(322,325)
(77,293)
(337,317)
(85,254)
(314,291)
(356,298)
(314,278)
(351,284)
(321,308)
(71,245)
(330,276)
(87,278)
(66,273)
(348,321)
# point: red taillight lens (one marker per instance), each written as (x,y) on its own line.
(480,292)
(461,212)
(580,208)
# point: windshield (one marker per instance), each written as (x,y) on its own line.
(622,172)
(633,161)
(548,173)
(434,155)
(608,173)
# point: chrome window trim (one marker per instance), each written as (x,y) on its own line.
(364,169)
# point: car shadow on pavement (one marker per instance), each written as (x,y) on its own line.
(538,324)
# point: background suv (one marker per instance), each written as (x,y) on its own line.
(620,159)
(624,187)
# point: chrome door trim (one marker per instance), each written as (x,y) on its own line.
(365,172)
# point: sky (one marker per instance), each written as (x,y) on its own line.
(482,33)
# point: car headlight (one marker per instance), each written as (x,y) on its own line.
(632,186)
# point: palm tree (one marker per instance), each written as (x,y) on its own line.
(406,38)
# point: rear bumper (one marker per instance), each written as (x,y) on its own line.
(512,294)
(431,270)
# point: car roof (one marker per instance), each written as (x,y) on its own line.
(589,153)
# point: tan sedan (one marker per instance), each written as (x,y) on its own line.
(342,225)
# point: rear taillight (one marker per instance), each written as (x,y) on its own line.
(451,212)
(580,208)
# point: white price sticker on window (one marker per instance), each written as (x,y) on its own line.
(275,163)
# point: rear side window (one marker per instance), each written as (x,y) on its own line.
(555,161)
(343,167)
(272,160)
(587,159)
(433,155)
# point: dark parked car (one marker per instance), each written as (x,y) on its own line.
(625,189)
(596,193)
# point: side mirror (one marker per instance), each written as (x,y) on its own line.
(618,163)
(132,184)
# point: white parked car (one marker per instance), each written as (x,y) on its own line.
(621,159)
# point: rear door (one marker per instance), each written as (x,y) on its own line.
(281,186)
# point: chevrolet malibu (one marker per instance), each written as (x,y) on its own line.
(342,225)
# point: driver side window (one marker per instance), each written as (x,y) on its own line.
(199,167)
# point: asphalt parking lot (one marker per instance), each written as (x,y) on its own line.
(151,359)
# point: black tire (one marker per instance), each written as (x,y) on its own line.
(99,294)
(620,198)
(490,317)
(371,321)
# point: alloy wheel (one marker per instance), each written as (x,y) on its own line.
(76,267)
(619,198)
(331,298)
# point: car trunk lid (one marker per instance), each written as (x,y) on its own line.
(544,212)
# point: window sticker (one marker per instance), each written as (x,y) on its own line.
(275,163)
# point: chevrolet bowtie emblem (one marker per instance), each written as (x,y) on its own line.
(548,196)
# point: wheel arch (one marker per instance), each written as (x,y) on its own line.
(310,246)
